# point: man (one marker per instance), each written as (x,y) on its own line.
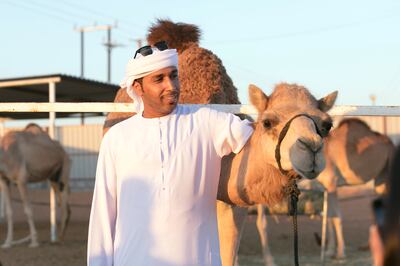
(158,172)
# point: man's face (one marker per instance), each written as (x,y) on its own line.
(159,92)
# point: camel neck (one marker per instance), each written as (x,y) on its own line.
(251,180)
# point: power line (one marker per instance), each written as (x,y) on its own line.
(35,10)
(78,11)
(64,14)
(59,10)
(126,31)
(73,13)
(97,13)
(126,27)
(305,32)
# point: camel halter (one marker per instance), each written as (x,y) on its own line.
(291,191)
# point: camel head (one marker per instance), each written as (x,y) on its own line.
(178,35)
(292,109)
(34,129)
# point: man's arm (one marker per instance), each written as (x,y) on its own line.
(103,213)
(229,132)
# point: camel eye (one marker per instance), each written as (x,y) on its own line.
(326,126)
(267,124)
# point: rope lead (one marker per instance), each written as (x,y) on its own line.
(292,192)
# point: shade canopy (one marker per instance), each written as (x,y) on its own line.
(68,89)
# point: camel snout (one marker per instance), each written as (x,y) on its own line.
(314,145)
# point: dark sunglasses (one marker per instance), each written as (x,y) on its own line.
(146,50)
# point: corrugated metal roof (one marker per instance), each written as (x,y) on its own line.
(68,89)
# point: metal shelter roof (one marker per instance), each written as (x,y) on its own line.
(68,89)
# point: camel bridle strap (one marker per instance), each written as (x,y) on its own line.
(291,191)
(282,135)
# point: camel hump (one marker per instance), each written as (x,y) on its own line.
(177,35)
(204,79)
(353,122)
(34,129)
(352,144)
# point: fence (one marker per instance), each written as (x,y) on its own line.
(387,113)
(83,141)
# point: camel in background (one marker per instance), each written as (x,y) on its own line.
(204,80)
(28,156)
(354,154)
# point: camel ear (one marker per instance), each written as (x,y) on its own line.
(326,103)
(258,98)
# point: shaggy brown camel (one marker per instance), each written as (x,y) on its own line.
(354,155)
(202,75)
(32,156)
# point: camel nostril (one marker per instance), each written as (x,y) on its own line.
(302,144)
(305,144)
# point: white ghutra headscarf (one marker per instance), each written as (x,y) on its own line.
(144,65)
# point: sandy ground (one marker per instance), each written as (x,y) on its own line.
(356,213)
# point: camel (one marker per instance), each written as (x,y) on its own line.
(253,176)
(28,156)
(354,155)
(203,80)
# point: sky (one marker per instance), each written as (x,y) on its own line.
(349,46)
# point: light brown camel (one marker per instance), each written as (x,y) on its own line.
(355,154)
(202,76)
(27,156)
(253,176)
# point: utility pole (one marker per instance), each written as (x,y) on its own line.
(372,97)
(82,51)
(138,41)
(108,44)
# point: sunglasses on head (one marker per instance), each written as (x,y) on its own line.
(147,50)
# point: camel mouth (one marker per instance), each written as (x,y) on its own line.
(305,162)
